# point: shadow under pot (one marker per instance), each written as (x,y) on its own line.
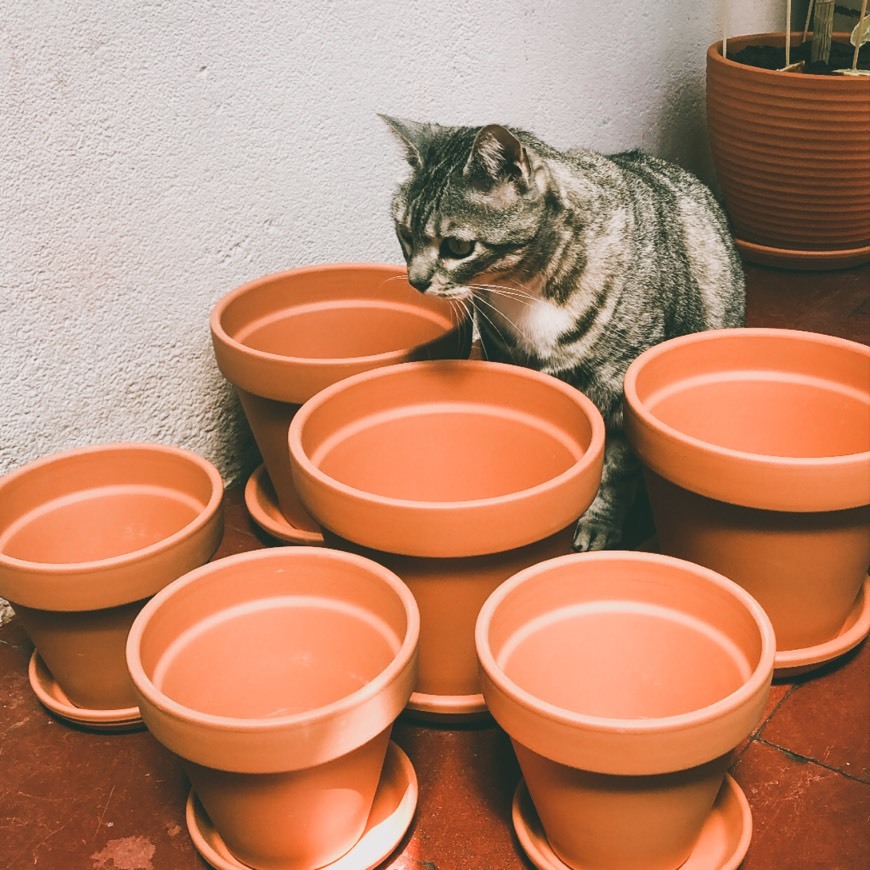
(756,451)
(454,474)
(275,676)
(625,681)
(86,537)
(282,338)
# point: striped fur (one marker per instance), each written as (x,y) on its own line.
(574,262)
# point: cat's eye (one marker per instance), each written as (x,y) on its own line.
(456,249)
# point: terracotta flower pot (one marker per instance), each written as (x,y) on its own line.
(282,338)
(455,474)
(86,536)
(276,675)
(756,448)
(625,681)
(791,154)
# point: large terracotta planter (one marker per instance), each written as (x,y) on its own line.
(282,338)
(86,536)
(455,474)
(276,675)
(625,681)
(756,448)
(791,155)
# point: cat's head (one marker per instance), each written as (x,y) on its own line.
(471,207)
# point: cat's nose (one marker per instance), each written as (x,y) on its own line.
(419,282)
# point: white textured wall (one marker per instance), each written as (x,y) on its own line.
(153,155)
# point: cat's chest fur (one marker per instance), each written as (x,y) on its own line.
(532,325)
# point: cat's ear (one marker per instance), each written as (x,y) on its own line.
(497,155)
(411,134)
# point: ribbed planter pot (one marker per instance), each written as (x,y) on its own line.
(86,536)
(791,155)
(282,338)
(275,676)
(625,681)
(756,449)
(455,474)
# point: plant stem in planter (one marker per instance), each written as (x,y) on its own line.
(860,30)
(807,22)
(823,27)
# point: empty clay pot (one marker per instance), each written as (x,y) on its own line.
(756,448)
(282,338)
(455,474)
(86,536)
(276,675)
(625,681)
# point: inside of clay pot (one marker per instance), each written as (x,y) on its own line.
(625,662)
(273,636)
(344,329)
(446,432)
(99,524)
(765,392)
(338,312)
(99,505)
(636,643)
(771,416)
(275,657)
(459,453)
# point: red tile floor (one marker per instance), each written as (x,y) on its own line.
(71,799)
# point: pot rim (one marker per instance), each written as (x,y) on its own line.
(760,676)
(650,419)
(234,724)
(587,406)
(714,53)
(223,337)
(203,517)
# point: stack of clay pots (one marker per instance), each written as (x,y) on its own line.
(431,499)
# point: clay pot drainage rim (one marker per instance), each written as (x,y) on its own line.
(204,514)
(168,705)
(659,725)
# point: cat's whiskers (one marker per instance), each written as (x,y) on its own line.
(514,293)
(491,322)
(460,310)
(400,277)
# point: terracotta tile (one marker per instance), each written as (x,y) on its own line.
(237,541)
(778,693)
(834,303)
(827,717)
(805,816)
(70,798)
(467,778)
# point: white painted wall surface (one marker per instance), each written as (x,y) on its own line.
(154,155)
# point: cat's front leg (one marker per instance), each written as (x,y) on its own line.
(600,528)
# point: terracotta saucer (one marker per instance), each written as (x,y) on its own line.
(723,843)
(53,698)
(392,811)
(263,507)
(446,708)
(792,662)
(783,258)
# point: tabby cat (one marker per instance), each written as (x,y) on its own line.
(574,262)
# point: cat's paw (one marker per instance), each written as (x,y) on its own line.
(595,536)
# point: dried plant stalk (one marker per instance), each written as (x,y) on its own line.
(823,27)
